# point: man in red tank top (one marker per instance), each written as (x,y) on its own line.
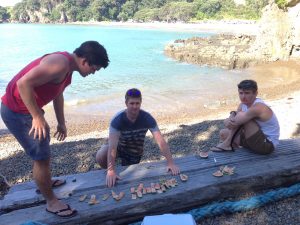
(40,82)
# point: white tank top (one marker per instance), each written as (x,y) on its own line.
(270,128)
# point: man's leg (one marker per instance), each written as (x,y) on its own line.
(224,133)
(101,156)
(19,125)
(227,135)
(42,176)
(255,140)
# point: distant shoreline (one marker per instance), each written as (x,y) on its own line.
(249,27)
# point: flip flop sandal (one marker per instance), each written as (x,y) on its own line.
(55,183)
(219,149)
(57,213)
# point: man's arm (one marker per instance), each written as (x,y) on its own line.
(61,131)
(231,116)
(50,70)
(111,176)
(164,148)
(253,112)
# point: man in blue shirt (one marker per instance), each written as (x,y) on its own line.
(127,135)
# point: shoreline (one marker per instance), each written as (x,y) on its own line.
(234,26)
(81,123)
(211,26)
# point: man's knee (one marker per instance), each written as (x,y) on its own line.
(250,128)
(101,156)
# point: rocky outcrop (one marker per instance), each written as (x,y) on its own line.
(278,39)
(226,51)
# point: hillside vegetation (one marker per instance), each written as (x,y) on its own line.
(52,11)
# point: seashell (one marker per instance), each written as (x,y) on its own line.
(203,155)
(82,198)
(105,197)
(218,173)
(133,196)
(183,177)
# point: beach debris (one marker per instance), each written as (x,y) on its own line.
(218,173)
(228,170)
(215,160)
(119,196)
(66,194)
(139,194)
(203,155)
(140,187)
(224,170)
(93,200)
(183,177)
(105,197)
(132,190)
(82,198)
(133,196)
(159,188)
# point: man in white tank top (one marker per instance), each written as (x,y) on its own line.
(254,125)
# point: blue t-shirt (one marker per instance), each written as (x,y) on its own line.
(132,134)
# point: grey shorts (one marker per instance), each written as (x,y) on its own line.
(19,125)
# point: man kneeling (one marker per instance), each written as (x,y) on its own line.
(254,125)
(126,138)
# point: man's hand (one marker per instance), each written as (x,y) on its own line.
(174,169)
(111,178)
(61,132)
(39,127)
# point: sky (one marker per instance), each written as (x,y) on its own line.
(8,2)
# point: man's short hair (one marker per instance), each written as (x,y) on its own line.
(248,85)
(94,53)
(133,93)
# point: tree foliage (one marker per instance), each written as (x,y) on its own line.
(140,10)
(4,15)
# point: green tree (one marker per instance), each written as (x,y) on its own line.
(128,10)
(4,15)
(177,11)
(19,12)
(146,14)
(33,5)
(281,3)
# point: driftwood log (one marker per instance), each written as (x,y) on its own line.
(252,173)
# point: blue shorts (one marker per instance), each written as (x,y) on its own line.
(19,125)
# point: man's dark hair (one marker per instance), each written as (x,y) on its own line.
(94,53)
(248,85)
(133,93)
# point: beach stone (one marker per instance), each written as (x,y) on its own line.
(280,41)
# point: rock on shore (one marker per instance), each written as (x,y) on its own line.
(277,39)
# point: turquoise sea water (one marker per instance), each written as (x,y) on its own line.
(137,60)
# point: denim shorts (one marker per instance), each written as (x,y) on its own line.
(19,125)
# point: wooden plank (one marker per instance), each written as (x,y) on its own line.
(253,172)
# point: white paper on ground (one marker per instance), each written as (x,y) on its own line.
(169,219)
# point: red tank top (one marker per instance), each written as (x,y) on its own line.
(43,94)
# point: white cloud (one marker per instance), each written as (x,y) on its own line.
(9,2)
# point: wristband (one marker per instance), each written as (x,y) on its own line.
(233,112)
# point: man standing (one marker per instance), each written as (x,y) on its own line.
(127,135)
(254,125)
(37,84)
